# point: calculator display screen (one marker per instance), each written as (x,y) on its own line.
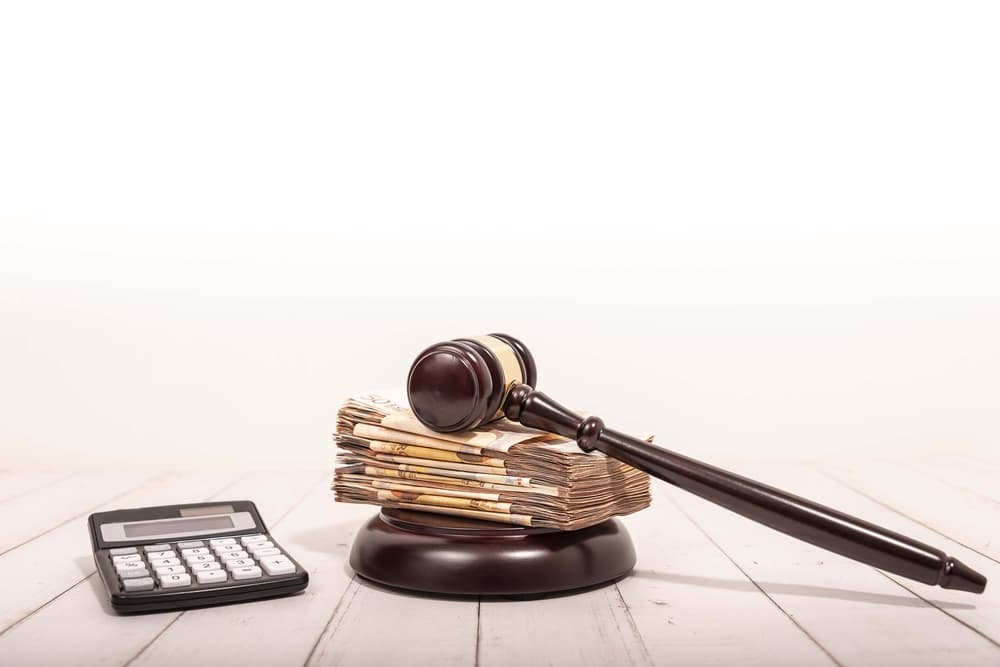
(200,523)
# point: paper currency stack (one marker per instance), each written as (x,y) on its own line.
(503,472)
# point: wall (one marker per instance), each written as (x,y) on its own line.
(756,231)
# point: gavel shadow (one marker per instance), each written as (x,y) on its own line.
(804,590)
(92,581)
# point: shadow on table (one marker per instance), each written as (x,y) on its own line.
(93,581)
(333,538)
(772,588)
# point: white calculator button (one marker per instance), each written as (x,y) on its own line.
(197,551)
(125,559)
(270,551)
(237,563)
(279,565)
(222,540)
(131,565)
(134,574)
(163,562)
(161,554)
(190,545)
(170,569)
(156,547)
(191,560)
(175,580)
(223,548)
(212,576)
(246,573)
(232,555)
(249,539)
(143,584)
(121,551)
(254,546)
(204,567)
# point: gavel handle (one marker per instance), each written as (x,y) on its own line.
(780,510)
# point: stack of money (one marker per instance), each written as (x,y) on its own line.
(503,472)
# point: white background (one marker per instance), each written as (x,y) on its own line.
(757,229)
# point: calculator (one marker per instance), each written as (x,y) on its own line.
(183,556)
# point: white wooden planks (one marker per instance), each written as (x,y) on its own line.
(709,587)
(30,514)
(89,629)
(42,569)
(14,483)
(965,516)
(857,614)
(317,532)
(378,627)
(979,612)
(590,628)
(692,605)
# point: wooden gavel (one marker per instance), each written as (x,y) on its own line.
(464,383)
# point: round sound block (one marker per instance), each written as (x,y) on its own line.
(435,553)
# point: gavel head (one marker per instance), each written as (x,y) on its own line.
(459,384)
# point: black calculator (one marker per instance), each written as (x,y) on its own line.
(183,556)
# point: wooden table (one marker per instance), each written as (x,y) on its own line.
(709,587)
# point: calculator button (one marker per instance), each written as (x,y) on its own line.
(197,551)
(249,539)
(122,551)
(190,545)
(204,567)
(126,558)
(232,555)
(224,548)
(270,551)
(222,540)
(163,562)
(134,574)
(240,562)
(161,554)
(131,565)
(170,569)
(279,565)
(175,580)
(211,576)
(246,573)
(143,584)
(156,547)
(191,560)
(254,546)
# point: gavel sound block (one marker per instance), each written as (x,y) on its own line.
(465,383)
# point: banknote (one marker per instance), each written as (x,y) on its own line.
(505,473)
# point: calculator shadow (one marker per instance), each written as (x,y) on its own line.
(92,580)
(332,539)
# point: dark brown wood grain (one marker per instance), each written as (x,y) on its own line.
(451,387)
(451,555)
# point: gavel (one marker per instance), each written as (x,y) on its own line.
(465,383)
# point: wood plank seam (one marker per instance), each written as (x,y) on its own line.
(634,627)
(479,627)
(86,511)
(939,608)
(903,585)
(349,594)
(949,482)
(298,502)
(37,488)
(861,492)
(43,605)
(92,574)
(789,616)
(153,640)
